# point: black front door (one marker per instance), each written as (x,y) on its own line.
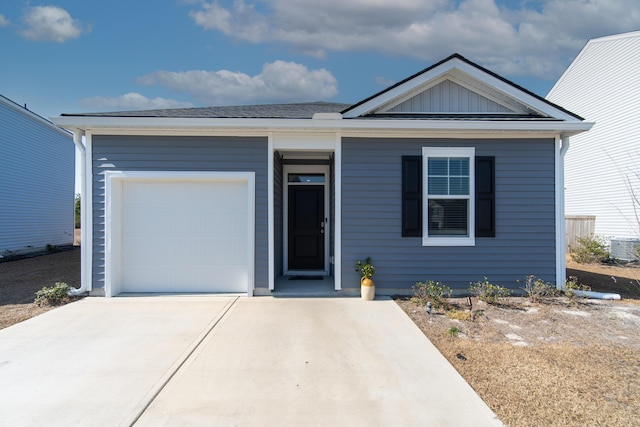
(306,227)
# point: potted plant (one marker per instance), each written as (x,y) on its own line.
(367,285)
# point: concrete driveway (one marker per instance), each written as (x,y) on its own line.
(210,360)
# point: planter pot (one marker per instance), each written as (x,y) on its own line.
(367,289)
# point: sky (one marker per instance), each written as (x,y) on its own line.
(78,56)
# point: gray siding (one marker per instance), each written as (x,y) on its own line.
(154,153)
(525,216)
(36,182)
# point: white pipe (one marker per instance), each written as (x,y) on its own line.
(84,247)
(561,265)
(597,295)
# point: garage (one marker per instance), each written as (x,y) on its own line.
(173,232)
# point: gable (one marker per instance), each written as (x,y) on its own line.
(457,87)
(449,97)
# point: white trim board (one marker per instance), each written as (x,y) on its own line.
(113,216)
(302,169)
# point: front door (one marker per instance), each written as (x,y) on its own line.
(306,227)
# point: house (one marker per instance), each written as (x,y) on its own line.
(36,181)
(602,84)
(451,175)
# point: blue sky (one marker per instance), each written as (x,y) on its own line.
(70,56)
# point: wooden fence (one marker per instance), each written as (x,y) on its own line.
(577,227)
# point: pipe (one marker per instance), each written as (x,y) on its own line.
(77,140)
(561,243)
(597,295)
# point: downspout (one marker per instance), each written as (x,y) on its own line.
(84,246)
(561,286)
(561,264)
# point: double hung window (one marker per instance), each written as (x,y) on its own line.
(448,196)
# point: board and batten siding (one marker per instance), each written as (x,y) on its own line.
(603,86)
(164,153)
(449,97)
(525,216)
(36,182)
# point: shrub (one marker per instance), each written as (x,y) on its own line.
(76,208)
(52,295)
(536,289)
(454,331)
(435,292)
(52,249)
(591,250)
(571,286)
(488,292)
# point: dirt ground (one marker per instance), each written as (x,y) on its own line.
(557,363)
(561,362)
(20,279)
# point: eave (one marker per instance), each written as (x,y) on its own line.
(346,127)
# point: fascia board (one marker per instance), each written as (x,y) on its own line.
(512,91)
(400,90)
(457,64)
(191,126)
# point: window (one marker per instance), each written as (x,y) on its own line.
(448,196)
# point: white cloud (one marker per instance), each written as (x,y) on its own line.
(4,22)
(536,38)
(132,101)
(51,24)
(279,81)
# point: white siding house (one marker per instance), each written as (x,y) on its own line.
(36,181)
(603,86)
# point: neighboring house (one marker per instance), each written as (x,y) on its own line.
(603,85)
(36,181)
(451,175)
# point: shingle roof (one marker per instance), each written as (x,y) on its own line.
(304,110)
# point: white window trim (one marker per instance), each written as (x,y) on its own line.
(469,240)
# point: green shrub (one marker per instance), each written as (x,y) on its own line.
(52,249)
(571,286)
(454,331)
(536,289)
(488,292)
(591,250)
(52,295)
(76,206)
(435,292)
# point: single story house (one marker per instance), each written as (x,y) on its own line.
(602,84)
(36,181)
(452,174)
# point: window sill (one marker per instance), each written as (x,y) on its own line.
(448,241)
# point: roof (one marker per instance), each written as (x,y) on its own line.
(470,63)
(469,98)
(304,110)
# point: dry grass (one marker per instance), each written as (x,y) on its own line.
(556,364)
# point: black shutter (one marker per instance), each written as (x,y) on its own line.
(485,197)
(411,196)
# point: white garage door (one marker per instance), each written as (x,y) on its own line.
(184,236)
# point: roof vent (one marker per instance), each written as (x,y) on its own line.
(624,249)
